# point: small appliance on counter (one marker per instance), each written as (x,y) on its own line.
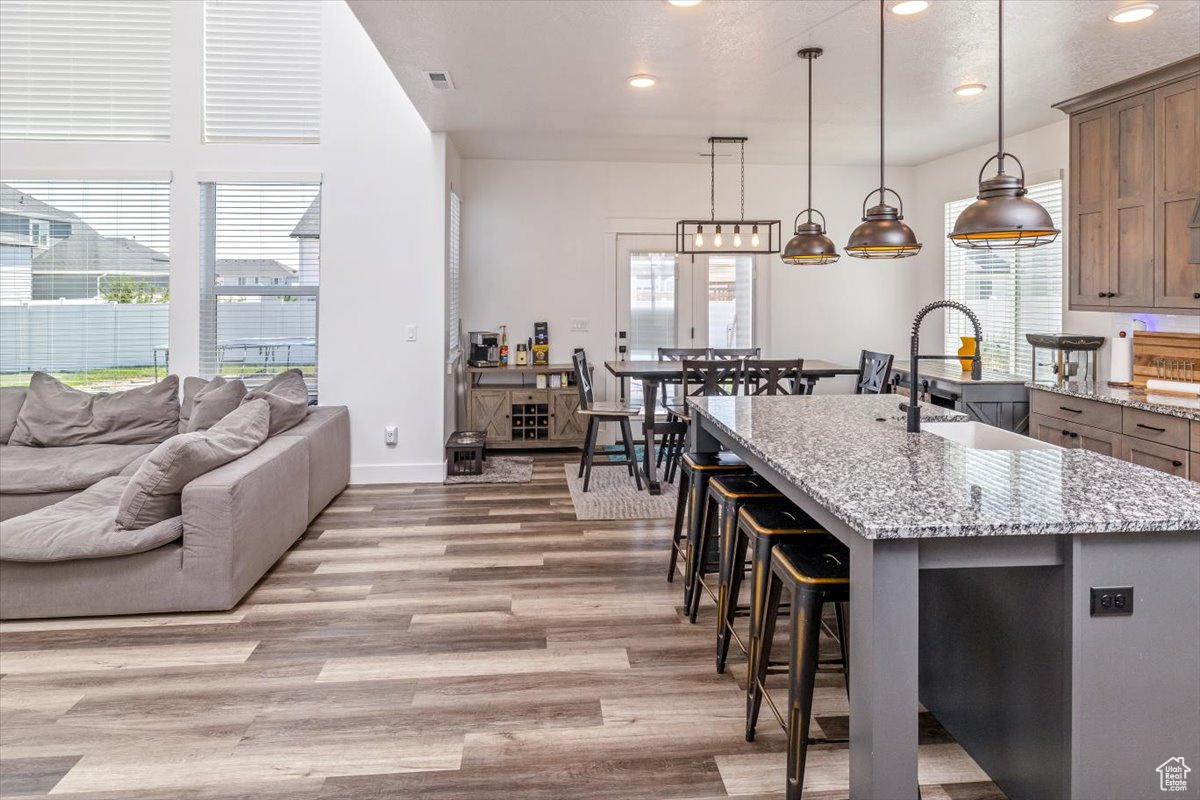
(483,349)
(1070,362)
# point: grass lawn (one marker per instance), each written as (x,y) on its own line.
(107,379)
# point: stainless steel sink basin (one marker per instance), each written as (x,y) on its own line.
(979,436)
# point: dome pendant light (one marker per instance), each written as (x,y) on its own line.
(810,245)
(1002,217)
(883,232)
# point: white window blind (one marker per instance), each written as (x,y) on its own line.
(84,282)
(260,256)
(1013,292)
(85,69)
(453,314)
(262,71)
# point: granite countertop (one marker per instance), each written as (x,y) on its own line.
(886,483)
(952,372)
(1174,405)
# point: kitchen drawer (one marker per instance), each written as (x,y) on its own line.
(530,396)
(1194,469)
(1072,435)
(1171,460)
(1085,412)
(1161,428)
(1195,448)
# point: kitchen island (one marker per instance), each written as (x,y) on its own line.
(971,572)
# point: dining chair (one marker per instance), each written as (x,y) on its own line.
(597,414)
(874,371)
(733,353)
(672,441)
(772,376)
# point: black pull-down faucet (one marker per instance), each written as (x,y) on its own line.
(913,406)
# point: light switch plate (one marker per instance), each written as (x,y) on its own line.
(579,325)
(410,334)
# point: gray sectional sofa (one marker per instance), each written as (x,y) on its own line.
(235,522)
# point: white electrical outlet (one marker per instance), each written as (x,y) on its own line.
(410,333)
(391,435)
(579,325)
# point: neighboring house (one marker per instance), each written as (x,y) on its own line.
(308,233)
(27,227)
(254,272)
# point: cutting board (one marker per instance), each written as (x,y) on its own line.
(1149,345)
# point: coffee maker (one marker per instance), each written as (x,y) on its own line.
(483,349)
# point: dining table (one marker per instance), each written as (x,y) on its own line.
(654,374)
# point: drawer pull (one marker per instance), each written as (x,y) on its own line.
(1152,428)
(1066,433)
(1072,410)
(1176,464)
(1074,435)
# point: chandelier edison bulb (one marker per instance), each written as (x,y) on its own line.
(699,236)
(737,235)
(754,236)
(717,241)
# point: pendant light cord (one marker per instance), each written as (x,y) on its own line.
(712,180)
(881,23)
(742,214)
(1000,88)
(810,69)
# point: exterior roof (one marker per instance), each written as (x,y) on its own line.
(309,226)
(84,249)
(14,201)
(253,268)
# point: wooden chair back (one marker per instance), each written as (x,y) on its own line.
(710,378)
(772,377)
(874,371)
(680,353)
(733,353)
(583,379)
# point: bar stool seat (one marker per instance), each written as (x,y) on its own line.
(815,571)
(696,470)
(727,494)
(760,527)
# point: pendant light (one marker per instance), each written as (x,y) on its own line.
(810,245)
(883,232)
(712,235)
(1002,217)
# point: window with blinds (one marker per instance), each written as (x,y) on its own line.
(260,259)
(453,314)
(85,69)
(262,63)
(85,273)
(1013,292)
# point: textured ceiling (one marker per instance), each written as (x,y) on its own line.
(546,80)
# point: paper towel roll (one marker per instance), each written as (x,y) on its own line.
(1173,387)
(1121,366)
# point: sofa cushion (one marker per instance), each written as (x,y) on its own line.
(11,400)
(55,415)
(152,494)
(83,526)
(191,385)
(33,470)
(212,402)
(287,395)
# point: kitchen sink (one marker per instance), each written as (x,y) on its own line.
(980,436)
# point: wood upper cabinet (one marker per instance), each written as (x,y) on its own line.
(1177,187)
(1135,182)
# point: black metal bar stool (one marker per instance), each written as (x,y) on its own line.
(697,470)
(815,571)
(727,494)
(760,527)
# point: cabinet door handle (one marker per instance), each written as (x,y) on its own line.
(1066,433)
(1101,294)
(1074,435)
(1152,428)
(1176,464)
(1072,410)
(1196,295)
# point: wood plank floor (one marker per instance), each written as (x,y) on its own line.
(420,642)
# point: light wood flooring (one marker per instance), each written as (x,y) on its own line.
(420,642)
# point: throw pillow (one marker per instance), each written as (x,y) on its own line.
(191,385)
(287,395)
(55,415)
(213,402)
(11,400)
(153,493)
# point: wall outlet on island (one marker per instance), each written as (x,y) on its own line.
(579,325)
(1112,601)
(391,435)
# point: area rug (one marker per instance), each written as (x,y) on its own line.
(612,494)
(499,469)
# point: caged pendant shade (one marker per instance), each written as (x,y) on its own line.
(883,232)
(1002,216)
(810,245)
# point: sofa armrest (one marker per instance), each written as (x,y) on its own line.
(240,518)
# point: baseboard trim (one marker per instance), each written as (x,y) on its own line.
(398,473)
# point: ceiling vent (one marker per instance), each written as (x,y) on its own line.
(439,79)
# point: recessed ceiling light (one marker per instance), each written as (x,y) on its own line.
(684,3)
(1135,13)
(641,81)
(969,89)
(906,7)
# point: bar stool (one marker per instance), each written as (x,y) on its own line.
(727,494)
(760,527)
(697,470)
(815,572)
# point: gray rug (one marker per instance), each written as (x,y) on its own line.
(612,494)
(499,469)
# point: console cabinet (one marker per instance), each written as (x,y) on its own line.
(506,403)
(1134,187)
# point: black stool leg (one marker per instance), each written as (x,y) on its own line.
(760,652)
(839,611)
(630,452)
(731,585)
(723,521)
(802,675)
(702,508)
(680,514)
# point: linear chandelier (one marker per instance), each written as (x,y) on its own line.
(715,236)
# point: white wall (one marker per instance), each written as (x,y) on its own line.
(1045,152)
(382,242)
(539,244)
